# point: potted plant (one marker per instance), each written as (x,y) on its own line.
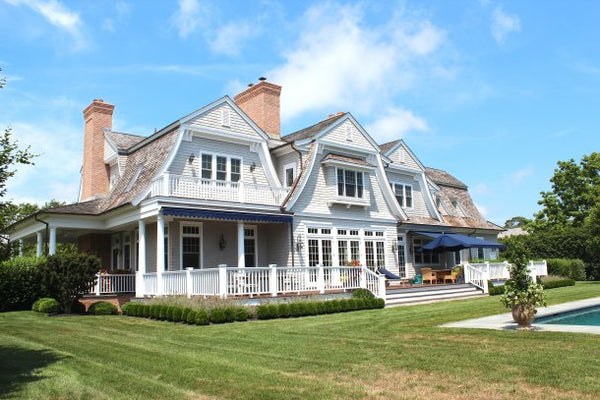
(457,271)
(522,295)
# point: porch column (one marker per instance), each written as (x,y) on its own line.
(20,247)
(38,247)
(52,241)
(241,251)
(160,253)
(140,290)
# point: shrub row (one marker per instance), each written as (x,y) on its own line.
(218,315)
(558,283)
(300,309)
(45,305)
(362,293)
(20,283)
(571,268)
(495,290)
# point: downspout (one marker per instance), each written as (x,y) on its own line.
(301,169)
(292,240)
(35,216)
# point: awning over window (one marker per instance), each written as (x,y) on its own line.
(456,241)
(227,215)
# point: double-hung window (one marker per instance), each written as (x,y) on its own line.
(403,194)
(349,183)
(221,168)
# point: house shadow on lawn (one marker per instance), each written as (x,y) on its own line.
(20,366)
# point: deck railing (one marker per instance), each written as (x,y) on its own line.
(476,276)
(476,272)
(114,283)
(273,281)
(212,189)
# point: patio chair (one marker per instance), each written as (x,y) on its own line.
(428,275)
(451,277)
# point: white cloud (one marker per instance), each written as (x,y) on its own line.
(394,124)
(503,24)
(518,176)
(56,169)
(482,210)
(343,63)
(58,15)
(122,10)
(481,189)
(190,17)
(230,38)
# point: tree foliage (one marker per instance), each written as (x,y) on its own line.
(67,277)
(516,222)
(575,193)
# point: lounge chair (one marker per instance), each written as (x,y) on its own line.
(388,274)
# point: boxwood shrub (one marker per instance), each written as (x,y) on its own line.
(362,293)
(495,290)
(201,317)
(184,313)
(191,317)
(298,309)
(176,314)
(558,283)
(20,283)
(242,314)
(103,308)
(46,305)
(571,268)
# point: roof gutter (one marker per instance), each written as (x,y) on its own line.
(35,216)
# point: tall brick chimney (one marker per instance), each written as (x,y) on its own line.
(261,103)
(95,175)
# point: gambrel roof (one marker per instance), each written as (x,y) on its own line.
(313,130)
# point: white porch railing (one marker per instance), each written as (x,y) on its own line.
(230,282)
(477,272)
(539,267)
(211,189)
(477,276)
(114,283)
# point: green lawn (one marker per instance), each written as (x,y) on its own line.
(392,353)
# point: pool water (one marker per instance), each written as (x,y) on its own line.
(583,316)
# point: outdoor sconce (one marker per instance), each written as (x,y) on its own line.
(222,242)
(253,167)
(299,243)
(191,158)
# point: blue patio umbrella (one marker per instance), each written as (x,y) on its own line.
(456,241)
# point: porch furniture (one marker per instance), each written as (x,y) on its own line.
(428,275)
(388,274)
(441,274)
(450,277)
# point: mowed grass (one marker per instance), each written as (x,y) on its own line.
(398,353)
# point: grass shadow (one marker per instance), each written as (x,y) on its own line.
(19,366)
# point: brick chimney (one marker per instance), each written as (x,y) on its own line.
(95,175)
(261,103)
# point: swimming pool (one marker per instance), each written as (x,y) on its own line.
(584,316)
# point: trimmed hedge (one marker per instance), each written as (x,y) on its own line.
(20,283)
(558,283)
(227,314)
(362,293)
(571,268)
(299,309)
(103,308)
(495,290)
(46,305)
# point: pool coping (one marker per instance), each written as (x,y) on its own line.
(505,321)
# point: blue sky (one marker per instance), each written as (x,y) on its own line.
(493,92)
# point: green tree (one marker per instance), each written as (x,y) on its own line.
(66,277)
(575,192)
(516,222)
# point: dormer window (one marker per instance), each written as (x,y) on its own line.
(220,168)
(350,183)
(403,194)
(289,174)
(225,117)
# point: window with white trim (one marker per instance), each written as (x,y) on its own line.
(349,183)
(424,256)
(289,174)
(403,194)
(374,249)
(221,167)
(191,246)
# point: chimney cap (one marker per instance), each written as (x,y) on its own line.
(98,100)
(250,84)
(262,79)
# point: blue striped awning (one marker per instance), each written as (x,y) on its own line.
(227,215)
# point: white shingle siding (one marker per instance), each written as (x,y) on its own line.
(403,158)
(181,165)
(419,208)
(213,119)
(273,244)
(339,135)
(283,160)
(322,187)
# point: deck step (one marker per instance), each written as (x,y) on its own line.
(429,294)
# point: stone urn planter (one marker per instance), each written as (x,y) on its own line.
(524,315)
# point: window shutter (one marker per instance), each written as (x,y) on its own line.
(225,117)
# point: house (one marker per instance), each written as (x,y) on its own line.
(222,187)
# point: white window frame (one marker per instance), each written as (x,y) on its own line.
(404,186)
(344,195)
(254,229)
(287,167)
(213,170)
(200,234)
